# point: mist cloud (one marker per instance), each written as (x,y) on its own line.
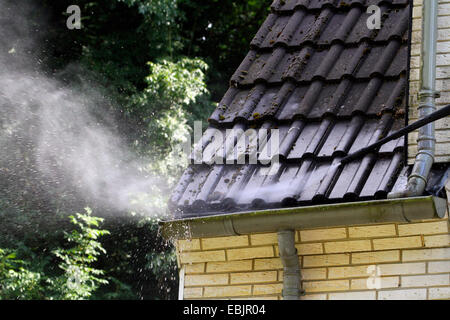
(71,138)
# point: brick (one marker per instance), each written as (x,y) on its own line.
(325,286)
(397,243)
(274,288)
(423,228)
(304,249)
(263,239)
(375,257)
(378,283)
(323,234)
(205,279)
(347,246)
(202,256)
(309,248)
(250,253)
(188,245)
(266,238)
(425,281)
(314,274)
(224,242)
(406,294)
(227,291)
(191,293)
(439,293)
(253,277)
(229,266)
(268,264)
(314,297)
(326,260)
(372,231)
(426,254)
(401,268)
(362,295)
(348,272)
(194,268)
(439,267)
(442,240)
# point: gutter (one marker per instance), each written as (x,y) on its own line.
(275,220)
(286,221)
(426,140)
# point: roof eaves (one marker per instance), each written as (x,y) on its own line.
(273,220)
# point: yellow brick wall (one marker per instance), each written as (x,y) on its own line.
(442,79)
(386,261)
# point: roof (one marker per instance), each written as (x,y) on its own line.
(331,86)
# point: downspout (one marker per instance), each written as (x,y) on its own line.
(426,140)
(291,265)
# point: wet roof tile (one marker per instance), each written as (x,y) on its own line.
(319,84)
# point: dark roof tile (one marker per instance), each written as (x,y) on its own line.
(330,86)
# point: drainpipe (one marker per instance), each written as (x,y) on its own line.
(290,260)
(417,180)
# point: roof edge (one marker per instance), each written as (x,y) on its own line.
(331,215)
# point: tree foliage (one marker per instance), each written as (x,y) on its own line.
(80,279)
(19,280)
(156,66)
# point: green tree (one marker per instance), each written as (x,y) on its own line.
(78,280)
(156,65)
(16,280)
(165,107)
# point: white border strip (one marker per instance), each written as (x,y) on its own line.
(181,284)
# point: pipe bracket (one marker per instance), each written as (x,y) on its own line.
(427,138)
(229,227)
(429,153)
(428,94)
(419,176)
